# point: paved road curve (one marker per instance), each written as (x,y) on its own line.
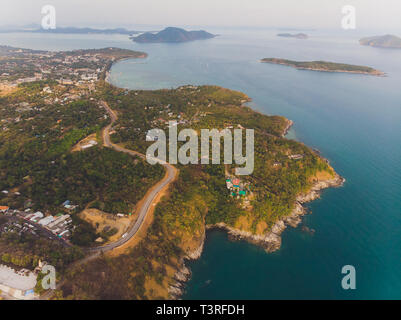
(150,198)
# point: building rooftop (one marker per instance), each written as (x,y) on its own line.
(21,280)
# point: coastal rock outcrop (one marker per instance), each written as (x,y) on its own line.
(184,274)
(195,254)
(180,279)
(271,241)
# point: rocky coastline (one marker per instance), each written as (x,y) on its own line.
(270,241)
(182,276)
(290,123)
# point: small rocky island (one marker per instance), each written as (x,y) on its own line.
(173,35)
(386,41)
(325,66)
(301,36)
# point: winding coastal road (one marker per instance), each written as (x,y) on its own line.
(150,198)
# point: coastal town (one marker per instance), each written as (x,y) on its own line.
(79,68)
(19,283)
(48,79)
(35,223)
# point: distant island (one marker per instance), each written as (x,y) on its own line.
(74,30)
(295,35)
(386,41)
(325,66)
(172,35)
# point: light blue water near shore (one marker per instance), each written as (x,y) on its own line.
(354,120)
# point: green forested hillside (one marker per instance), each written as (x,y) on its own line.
(200,195)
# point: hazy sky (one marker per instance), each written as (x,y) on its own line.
(375,14)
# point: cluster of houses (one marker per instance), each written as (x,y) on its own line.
(19,228)
(49,98)
(59,224)
(167,113)
(14,225)
(237,188)
(69,68)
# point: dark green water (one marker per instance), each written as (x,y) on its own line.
(354,120)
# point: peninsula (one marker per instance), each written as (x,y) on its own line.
(256,208)
(386,41)
(172,35)
(74,182)
(325,66)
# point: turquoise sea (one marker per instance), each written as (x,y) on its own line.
(354,120)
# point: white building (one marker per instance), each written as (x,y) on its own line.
(18,284)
